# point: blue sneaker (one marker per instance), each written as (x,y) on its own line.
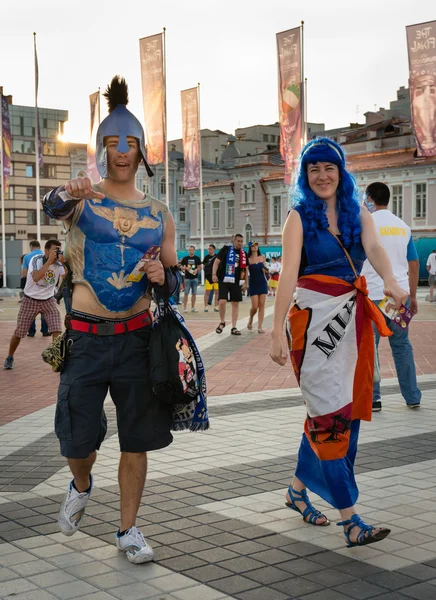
(73,508)
(9,362)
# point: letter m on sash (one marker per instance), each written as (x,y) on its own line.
(328,346)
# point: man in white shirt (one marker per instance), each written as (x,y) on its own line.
(431,268)
(396,238)
(42,276)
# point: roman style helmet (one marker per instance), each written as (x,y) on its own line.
(121,123)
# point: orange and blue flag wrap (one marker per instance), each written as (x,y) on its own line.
(331,343)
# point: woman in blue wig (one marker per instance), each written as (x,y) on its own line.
(326,238)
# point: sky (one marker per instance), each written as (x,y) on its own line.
(355,55)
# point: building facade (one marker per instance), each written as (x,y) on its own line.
(20,201)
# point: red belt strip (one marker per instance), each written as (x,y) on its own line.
(109,328)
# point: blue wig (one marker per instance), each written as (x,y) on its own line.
(347,194)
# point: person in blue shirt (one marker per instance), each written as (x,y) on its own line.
(35,248)
(396,238)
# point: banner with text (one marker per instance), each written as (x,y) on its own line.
(290,92)
(153,96)
(191,140)
(421,45)
(91,165)
(7,144)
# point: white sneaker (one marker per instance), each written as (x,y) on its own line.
(194,310)
(73,508)
(185,310)
(134,546)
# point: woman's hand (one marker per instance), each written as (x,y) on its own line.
(278,350)
(392,289)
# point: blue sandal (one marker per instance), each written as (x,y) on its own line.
(310,514)
(366,534)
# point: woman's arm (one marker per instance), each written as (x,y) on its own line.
(292,240)
(379,258)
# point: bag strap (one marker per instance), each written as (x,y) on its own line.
(350,260)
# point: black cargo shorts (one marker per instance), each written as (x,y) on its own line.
(94,365)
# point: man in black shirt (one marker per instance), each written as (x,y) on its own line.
(209,286)
(191,266)
(230,271)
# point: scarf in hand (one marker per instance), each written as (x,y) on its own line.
(229,276)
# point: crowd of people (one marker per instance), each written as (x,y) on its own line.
(334,269)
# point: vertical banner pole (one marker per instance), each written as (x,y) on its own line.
(167,182)
(2,193)
(305,112)
(201,186)
(303,88)
(38,210)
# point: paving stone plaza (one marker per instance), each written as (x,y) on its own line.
(213,507)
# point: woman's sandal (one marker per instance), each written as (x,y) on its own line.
(235,331)
(366,535)
(310,514)
(261,330)
(220,328)
(250,325)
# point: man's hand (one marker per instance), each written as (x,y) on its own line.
(52,257)
(155,272)
(81,188)
(215,278)
(414,305)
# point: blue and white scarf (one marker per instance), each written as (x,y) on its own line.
(230,272)
(193,416)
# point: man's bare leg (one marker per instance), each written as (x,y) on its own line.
(431,293)
(132,472)
(13,344)
(81,470)
(55,334)
(222,307)
(235,313)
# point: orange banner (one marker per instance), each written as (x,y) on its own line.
(290,93)
(191,139)
(153,95)
(91,165)
(421,44)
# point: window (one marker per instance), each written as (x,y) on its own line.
(272,138)
(248,233)
(216,215)
(397,200)
(182,214)
(31,217)
(49,171)
(420,200)
(49,148)
(182,242)
(265,137)
(11,192)
(181,189)
(230,214)
(277,211)
(253,192)
(30,170)
(9,217)
(245,189)
(31,193)
(23,146)
(163,186)
(45,219)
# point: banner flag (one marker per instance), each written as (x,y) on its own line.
(38,132)
(421,45)
(153,96)
(290,92)
(91,165)
(7,144)
(191,139)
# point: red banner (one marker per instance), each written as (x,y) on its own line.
(421,44)
(290,93)
(7,144)
(91,165)
(191,139)
(153,95)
